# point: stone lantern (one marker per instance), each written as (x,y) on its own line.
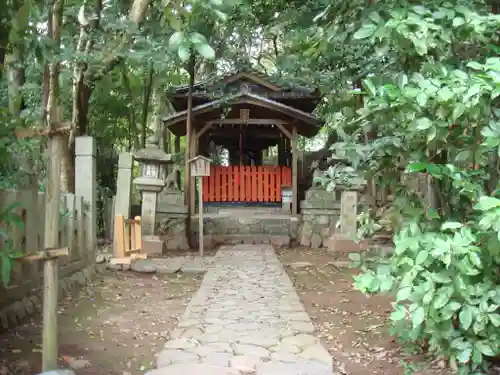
(151,181)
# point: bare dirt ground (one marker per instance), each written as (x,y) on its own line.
(116,325)
(113,327)
(350,325)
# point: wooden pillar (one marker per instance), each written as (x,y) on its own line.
(192,183)
(295,201)
(177,150)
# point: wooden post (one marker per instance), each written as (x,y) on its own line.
(50,291)
(50,268)
(200,215)
(177,150)
(192,183)
(294,171)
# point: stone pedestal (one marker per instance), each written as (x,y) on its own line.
(344,239)
(171,219)
(153,245)
(149,188)
(320,213)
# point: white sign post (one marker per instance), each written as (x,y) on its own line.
(200,167)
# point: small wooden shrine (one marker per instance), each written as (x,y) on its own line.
(245,113)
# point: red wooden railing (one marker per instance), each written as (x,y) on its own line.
(246,183)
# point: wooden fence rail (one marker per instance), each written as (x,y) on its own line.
(246,183)
(29,239)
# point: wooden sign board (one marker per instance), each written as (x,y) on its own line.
(200,166)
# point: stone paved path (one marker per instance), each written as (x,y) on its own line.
(245,319)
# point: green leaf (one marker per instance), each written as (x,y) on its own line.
(183,53)
(418,316)
(494,319)
(458,21)
(176,39)
(475,65)
(422,99)
(475,259)
(458,111)
(463,155)
(398,314)
(423,123)
(464,355)
(486,203)
(451,225)
(465,317)
(356,257)
(416,167)
(366,31)
(442,298)
(444,94)
(198,38)
(404,294)
(206,51)
(421,257)
(485,348)
(368,84)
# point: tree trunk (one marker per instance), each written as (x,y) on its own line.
(84,79)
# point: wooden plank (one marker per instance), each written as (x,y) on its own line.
(138,233)
(260,185)
(41,132)
(221,184)
(126,238)
(272,184)
(254,184)
(277,172)
(217,179)
(248,184)
(124,260)
(47,254)
(242,185)
(234,182)
(254,121)
(228,183)
(119,237)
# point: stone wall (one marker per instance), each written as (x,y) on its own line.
(320,214)
(248,228)
(14,313)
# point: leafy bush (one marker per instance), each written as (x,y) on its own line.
(436,113)
(447,284)
(8,253)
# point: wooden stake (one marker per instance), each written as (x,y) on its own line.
(50,290)
(200,215)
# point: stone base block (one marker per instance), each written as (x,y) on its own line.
(175,242)
(208,242)
(153,246)
(281,241)
(339,243)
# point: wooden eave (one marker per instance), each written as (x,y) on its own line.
(307,125)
